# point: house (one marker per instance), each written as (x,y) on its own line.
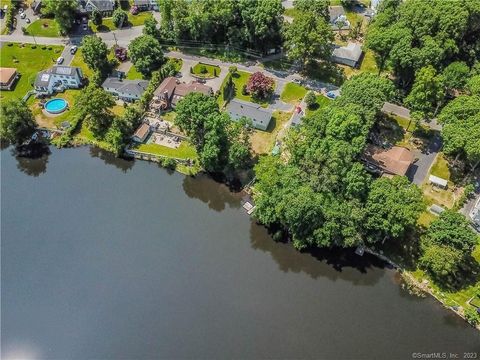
(106,7)
(260,116)
(128,90)
(338,18)
(144,5)
(57,79)
(141,133)
(7,78)
(393,161)
(349,55)
(171,91)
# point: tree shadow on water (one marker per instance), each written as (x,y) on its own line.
(334,264)
(110,159)
(215,194)
(32,159)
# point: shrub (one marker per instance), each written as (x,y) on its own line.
(232,69)
(472,316)
(244,90)
(260,85)
(310,99)
(203,69)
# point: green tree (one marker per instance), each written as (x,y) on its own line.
(146,54)
(310,99)
(393,206)
(97,17)
(17,123)
(64,12)
(151,27)
(440,261)
(317,7)
(426,95)
(455,76)
(308,38)
(95,52)
(94,104)
(472,315)
(473,85)
(119,18)
(461,129)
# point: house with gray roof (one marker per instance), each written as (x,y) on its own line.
(57,79)
(349,55)
(106,7)
(127,90)
(260,116)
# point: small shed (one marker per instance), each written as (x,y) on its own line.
(436,209)
(437,181)
(141,133)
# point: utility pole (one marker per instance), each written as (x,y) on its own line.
(116,44)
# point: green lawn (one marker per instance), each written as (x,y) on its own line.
(78,61)
(133,74)
(292,12)
(206,70)
(52,122)
(44,27)
(240,78)
(369,65)
(263,141)
(133,20)
(28,60)
(184,151)
(440,167)
(322,102)
(293,93)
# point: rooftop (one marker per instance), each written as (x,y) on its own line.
(6,74)
(352,51)
(133,87)
(395,160)
(238,108)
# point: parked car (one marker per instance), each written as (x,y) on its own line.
(27,20)
(84,27)
(60,60)
(73,49)
(20,10)
(23,16)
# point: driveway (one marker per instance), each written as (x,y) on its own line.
(419,170)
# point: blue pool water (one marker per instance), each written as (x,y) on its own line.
(56,106)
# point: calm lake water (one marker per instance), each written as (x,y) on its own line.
(108,259)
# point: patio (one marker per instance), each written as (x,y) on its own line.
(170,141)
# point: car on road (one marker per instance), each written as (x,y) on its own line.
(85,27)
(60,60)
(20,10)
(27,20)
(23,16)
(73,49)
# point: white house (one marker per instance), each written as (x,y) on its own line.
(349,55)
(260,117)
(58,79)
(128,90)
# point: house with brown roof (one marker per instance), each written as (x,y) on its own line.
(7,78)
(393,161)
(141,133)
(171,91)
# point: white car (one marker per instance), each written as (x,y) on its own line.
(20,10)
(73,49)
(60,60)
(23,16)
(85,27)
(27,20)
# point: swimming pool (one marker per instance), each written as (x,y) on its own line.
(56,106)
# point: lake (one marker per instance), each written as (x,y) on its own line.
(111,259)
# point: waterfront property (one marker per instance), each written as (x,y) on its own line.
(141,133)
(349,55)
(7,78)
(171,91)
(127,90)
(393,161)
(58,79)
(260,116)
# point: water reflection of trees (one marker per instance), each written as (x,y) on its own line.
(109,158)
(335,264)
(215,194)
(32,160)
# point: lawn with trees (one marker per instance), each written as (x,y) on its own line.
(205,70)
(293,93)
(44,27)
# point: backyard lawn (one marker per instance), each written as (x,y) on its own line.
(44,27)
(78,61)
(263,141)
(133,20)
(206,70)
(184,151)
(369,65)
(55,121)
(293,93)
(28,59)
(133,74)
